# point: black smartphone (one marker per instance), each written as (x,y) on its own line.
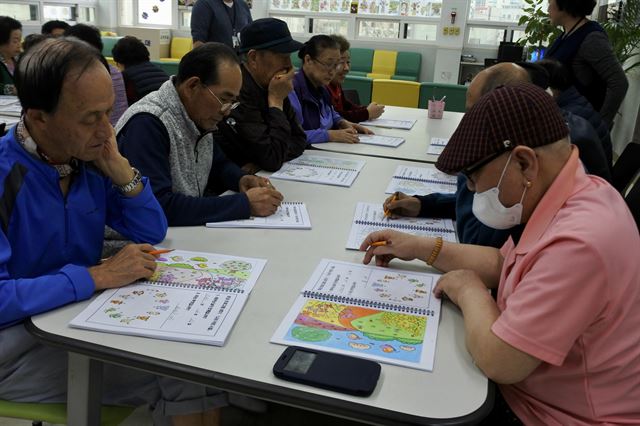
(335,372)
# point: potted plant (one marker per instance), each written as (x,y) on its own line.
(623,30)
(538,31)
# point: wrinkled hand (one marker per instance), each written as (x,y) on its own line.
(399,245)
(457,284)
(404,205)
(252,181)
(348,135)
(264,201)
(281,85)
(375,110)
(131,263)
(361,129)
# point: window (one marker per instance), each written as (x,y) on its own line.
(295,23)
(21,12)
(59,12)
(483,36)
(329,26)
(185,18)
(87,14)
(152,12)
(369,28)
(498,10)
(421,31)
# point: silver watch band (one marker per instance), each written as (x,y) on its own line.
(128,187)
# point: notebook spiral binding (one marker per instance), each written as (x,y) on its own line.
(442,182)
(302,163)
(197,287)
(364,303)
(404,226)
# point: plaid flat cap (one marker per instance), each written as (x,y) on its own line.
(521,114)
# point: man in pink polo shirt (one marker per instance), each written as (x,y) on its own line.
(562,339)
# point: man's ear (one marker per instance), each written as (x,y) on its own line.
(190,87)
(251,57)
(527,161)
(36,117)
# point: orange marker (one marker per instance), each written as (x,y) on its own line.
(379,243)
(161,251)
(387,213)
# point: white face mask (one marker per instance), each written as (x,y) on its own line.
(490,211)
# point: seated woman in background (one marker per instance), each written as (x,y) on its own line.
(347,109)
(311,99)
(10,39)
(141,77)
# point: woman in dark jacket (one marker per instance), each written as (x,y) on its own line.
(584,48)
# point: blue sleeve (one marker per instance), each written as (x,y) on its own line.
(470,229)
(437,205)
(145,142)
(314,135)
(21,298)
(337,118)
(138,218)
(201,16)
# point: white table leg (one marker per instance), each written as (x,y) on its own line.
(84,390)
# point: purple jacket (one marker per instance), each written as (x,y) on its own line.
(314,110)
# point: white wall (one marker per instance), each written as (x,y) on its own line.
(627,118)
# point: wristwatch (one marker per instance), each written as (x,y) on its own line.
(128,187)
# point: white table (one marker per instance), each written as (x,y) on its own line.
(455,392)
(417,139)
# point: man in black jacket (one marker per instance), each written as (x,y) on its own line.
(263,132)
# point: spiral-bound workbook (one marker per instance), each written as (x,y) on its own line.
(390,124)
(421,181)
(192,297)
(383,314)
(320,169)
(290,215)
(369,217)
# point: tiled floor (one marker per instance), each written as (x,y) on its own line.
(277,415)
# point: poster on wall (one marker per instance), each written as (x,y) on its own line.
(154,12)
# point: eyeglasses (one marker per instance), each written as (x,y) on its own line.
(467,172)
(224,107)
(331,67)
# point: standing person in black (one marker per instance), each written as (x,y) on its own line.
(141,77)
(263,132)
(220,21)
(584,49)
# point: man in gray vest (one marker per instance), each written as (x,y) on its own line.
(167,136)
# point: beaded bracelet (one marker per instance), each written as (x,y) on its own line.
(435,252)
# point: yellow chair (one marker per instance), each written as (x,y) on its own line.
(180,46)
(384,64)
(396,92)
(57,413)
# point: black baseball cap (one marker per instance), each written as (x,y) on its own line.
(268,34)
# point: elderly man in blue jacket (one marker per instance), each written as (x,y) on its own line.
(62,179)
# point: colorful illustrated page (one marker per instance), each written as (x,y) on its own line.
(165,309)
(363,331)
(207,270)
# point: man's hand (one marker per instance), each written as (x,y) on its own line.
(264,201)
(114,165)
(375,110)
(348,135)
(131,263)
(361,129)
(252,181)
(250,168)
(458,284)
(403,205)
(398,244)
(279,88)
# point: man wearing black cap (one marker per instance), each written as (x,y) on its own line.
(561,339)
(263,132)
